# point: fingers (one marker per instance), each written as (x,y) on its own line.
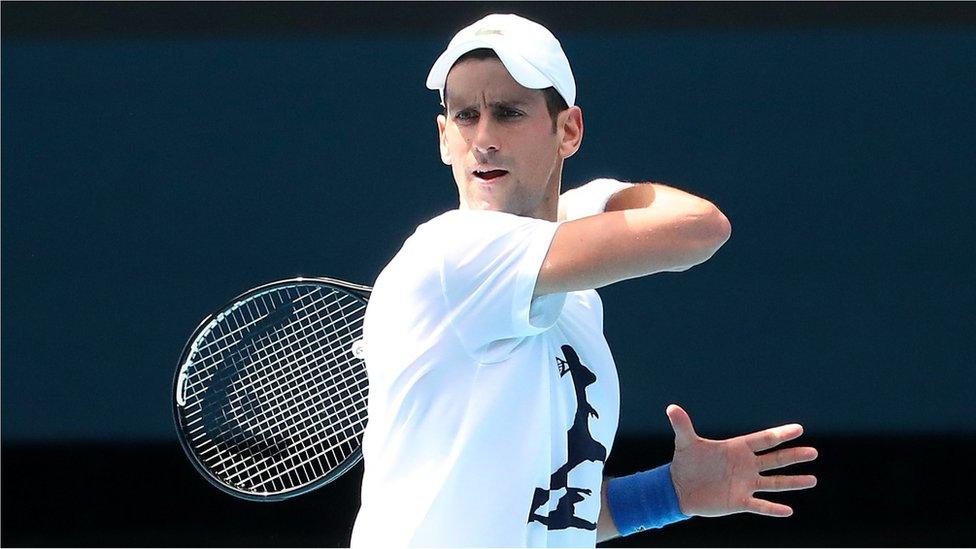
(768,508)
(784,483)
(785,458)
(769,438)
(684,431)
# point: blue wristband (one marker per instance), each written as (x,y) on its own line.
(644,500)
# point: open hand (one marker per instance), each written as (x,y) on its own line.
(718,477)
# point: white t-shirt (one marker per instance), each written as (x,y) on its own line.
(491,414)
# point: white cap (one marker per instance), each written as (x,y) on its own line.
(528,50)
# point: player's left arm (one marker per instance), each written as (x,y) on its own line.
(713,478)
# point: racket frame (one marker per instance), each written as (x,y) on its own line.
(359,290)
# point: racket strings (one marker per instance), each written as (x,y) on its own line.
(298,382)
(322,451)
(288,392)
(325,408)
(306,437)
(227,373)
(256,319)
(301,381)
(220,338)
(259,380)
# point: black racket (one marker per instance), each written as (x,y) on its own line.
(270,393)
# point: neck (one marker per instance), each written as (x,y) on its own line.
(548,208)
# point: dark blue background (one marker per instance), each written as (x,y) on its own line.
(159,158)
(148,180)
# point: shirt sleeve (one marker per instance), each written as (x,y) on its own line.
(490,263)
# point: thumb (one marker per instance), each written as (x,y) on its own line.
(684,431)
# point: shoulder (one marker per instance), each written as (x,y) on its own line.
(416,257)
(422,250)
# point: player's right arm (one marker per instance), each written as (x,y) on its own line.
(647,229)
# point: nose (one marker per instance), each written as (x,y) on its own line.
(485,138)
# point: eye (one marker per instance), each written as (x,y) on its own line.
(509,113)
(465,115)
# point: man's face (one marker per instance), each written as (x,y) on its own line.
(499,140)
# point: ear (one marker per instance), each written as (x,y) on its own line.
(570,125)
(442,139)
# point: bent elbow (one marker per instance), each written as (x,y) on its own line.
(720,228)
(709,226)
(714,231)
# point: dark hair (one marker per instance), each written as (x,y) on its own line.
(554,101)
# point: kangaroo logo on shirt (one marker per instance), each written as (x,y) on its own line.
(581,447)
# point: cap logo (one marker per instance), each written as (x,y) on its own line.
(488,31)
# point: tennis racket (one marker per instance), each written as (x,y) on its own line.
(270,394)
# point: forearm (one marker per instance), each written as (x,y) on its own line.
(605,527)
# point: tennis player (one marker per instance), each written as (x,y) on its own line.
(494,398)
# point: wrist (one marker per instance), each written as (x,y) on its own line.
(679,494)
(644,500)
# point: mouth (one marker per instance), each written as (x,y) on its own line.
(484,176)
